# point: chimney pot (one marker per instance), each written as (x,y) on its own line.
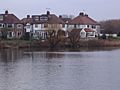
(81,14)
(28,16)
(6,12)
(60,16)
(86,15)
(48,12)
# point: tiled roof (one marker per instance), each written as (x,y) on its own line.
(9,18)
(55,20)
(84,19)
(66,20)
(27,20)
(51,19)
(88,30)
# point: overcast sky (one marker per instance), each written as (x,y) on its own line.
(97,9)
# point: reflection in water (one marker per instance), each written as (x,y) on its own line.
(21,70)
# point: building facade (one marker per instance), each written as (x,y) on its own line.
(44,23)
(86,24)
(10,26)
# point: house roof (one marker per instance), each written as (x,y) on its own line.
(55,20)
(84,19)
(51,19)
(9,18)
(88,30)
(27,20)
(66,20)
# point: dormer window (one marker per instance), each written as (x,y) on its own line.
(1,17)
(43,18)
(36,18)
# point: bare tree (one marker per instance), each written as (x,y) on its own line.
(54,38)
(111,26)
(74,37)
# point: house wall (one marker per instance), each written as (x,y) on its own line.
(18,30)
(82,33)
(55,27)
(37,27)
(40,30)
(96,28)
(28,27)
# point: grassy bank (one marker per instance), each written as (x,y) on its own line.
(37,44)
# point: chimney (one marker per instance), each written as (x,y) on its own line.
(48,12)
(6,12)
(81,14)
(28,16)
(86,15)
(60,16)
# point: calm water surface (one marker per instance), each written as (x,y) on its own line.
(38,70)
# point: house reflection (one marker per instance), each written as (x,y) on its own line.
(10,55)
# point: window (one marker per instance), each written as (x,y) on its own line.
(88,26)
(42,25)
(36,18)
(9,25)
(19,26)
(28,26)
(10,34)
(43,18)
(1,17)
(75,26)
(1,25)
(36,25)
(93,26)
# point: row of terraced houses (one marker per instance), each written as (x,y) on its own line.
(12,27)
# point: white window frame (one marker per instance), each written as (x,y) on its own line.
(11,25)
(1,17)
(19,26)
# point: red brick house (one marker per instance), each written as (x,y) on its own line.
(10,26)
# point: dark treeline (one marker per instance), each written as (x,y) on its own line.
(111,26)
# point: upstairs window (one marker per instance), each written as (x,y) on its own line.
(10,25)
(1,17)
(43,18)
(75,26)
(88,26)
(36,18)
(93,26)
(19,26)
(1,25)
(28,26)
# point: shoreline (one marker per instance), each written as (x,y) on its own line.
(38,44)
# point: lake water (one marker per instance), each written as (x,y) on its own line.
(40,70)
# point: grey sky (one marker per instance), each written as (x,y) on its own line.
(97,9)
